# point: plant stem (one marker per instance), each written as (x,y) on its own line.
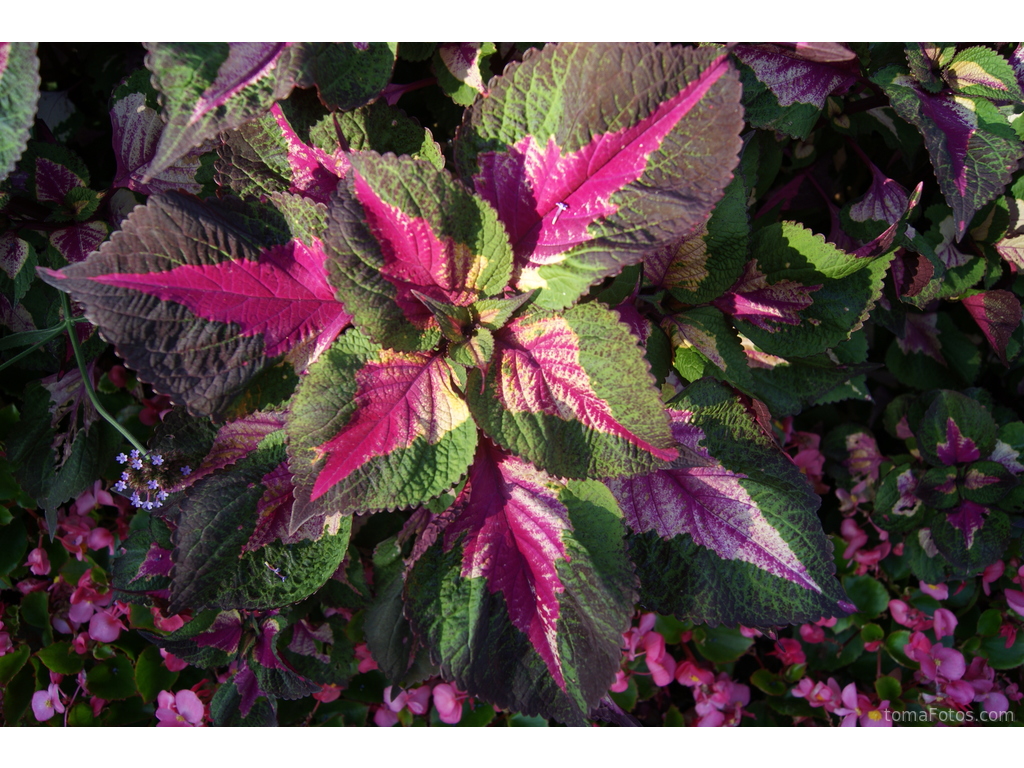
(80,359)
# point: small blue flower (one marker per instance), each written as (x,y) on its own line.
(186,470)
(152,485)
(120,485)
(162,495)
(121,458)
(148,505)
(157,459)
(136,501)
(134,454)
(136,463)
(125,476)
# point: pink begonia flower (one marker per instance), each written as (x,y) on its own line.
(179,710)
(38,562)
(366,662)
(751,633)
(943,665)
(857,708)
(992,574)
(621,682)
(1009,631)
(96,704)
(789,651)
(416,700)
(909,616)
(384,717)
(721,704)
(819,694)
(105,627)
(172,662)
(6,646)
(812,634)
(81,643)
(328,692)
(47,703)
(448,701)
(100,538)
(944,623)
(1015,599)
(661,665)
(918,647)
(690,675)
(938,591)
(647,622)
(166,623)
(89,500)
(854,536)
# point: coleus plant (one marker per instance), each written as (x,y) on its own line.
(483,356)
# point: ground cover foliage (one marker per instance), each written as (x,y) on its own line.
(511,384)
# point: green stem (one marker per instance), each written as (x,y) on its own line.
(69,322)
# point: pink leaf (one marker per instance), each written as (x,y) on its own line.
(284,296)
(513,522)
(753,299)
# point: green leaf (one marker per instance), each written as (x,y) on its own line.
(346,75)
(151,675)
(999,656)
(869,595)
(888,688)
(112,679)
(721,645)
(769,682)
(980,71)
(894,645)
(850,286)
(61,658)
(19,94)
(12,662)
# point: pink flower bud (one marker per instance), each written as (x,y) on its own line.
(38,562)
(945,623)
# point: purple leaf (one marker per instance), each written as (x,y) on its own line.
(315,173)
(157,563)
(224,634)
(700,497)
(513,522)
(808,74)
(957,449)
(233,442)
(14,252)
(79,240)
(886,199)
(137,129)
(968,518)
(921,335)
(998,314)
(54,181)
(751,298)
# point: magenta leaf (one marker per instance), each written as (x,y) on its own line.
(516,565)
(373,429)
(584,191)
(968,518)
(956,449)
(765,305)
(399,227)
(554,394)
(198,298)
(954,429)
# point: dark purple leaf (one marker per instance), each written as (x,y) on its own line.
(807,74)
(998,314)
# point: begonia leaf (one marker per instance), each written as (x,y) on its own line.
(207,88)
(554,394)
(399,226)
(374,429)
(19,95)
(215,521)
(585,151)
(346,75)
(973,149)
(827,292)
(745,545)
(536,571)
(200,297)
